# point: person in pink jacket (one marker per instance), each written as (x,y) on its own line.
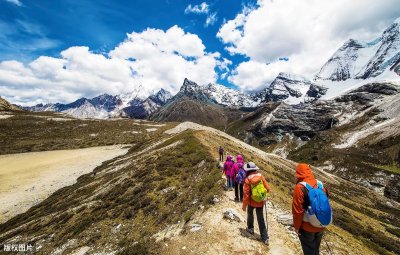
(228,171)
(238,180)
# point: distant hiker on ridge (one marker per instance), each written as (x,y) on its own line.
(239,175)
(255,194)
(221,153)
(310,220)
(228,171)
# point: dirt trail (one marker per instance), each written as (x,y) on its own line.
(28,178)
(222,236)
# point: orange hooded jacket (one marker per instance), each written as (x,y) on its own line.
(303,174)
(253,178)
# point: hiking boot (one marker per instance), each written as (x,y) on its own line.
(251,231)
(236,199)
(266,242)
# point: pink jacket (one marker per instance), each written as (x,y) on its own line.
(239,159)
(228,166)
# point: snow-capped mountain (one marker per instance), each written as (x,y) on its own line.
(142,109)
(216,94)
(88,110)
(291,89)
(229,97)
(161,97)
(361,60)
(192,90)
(387,54)
(106,106)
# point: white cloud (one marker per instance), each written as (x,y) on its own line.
(202,8)
(252,75)
(211,19)
(307,32)
(153,58)
(16,2)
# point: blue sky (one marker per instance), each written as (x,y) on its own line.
(46,27)
(58,51)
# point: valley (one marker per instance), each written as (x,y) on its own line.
(29,178)
(149,190)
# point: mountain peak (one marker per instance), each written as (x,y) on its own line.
(351,43)
(161,97)
(292,89)
(360,60)
(291,76)
(189,85)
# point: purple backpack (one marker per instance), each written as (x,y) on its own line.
(241,175)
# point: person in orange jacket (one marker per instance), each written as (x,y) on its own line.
(310,236)
(253,177)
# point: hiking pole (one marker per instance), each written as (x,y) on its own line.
(266,215)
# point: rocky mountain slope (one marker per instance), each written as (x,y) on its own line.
(6,106)
(361,60)
(291,89)
(354,135)
(194,103)
(139,204)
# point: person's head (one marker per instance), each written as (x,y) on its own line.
(239,158)
(229,158)
(303,171)
(250,167)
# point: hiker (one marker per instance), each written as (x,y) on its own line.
(228,171)
(221,153)
(239,176)
(307,223)
(255,193)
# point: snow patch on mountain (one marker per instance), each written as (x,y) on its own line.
(361,60)
(87,110)
(229,97)
(387,54)
(338,88)
(348,60)
(292,89)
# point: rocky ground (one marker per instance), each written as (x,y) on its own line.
(210,232)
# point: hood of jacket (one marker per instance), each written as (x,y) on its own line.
(303,172)
(239,159)
(254,177)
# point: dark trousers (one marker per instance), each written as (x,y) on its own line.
(238,191)
(221,157)
(260,219)
(310,242)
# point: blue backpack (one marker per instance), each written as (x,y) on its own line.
(241,176)
(319,213)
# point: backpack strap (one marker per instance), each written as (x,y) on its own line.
(320,185)
(305,184)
